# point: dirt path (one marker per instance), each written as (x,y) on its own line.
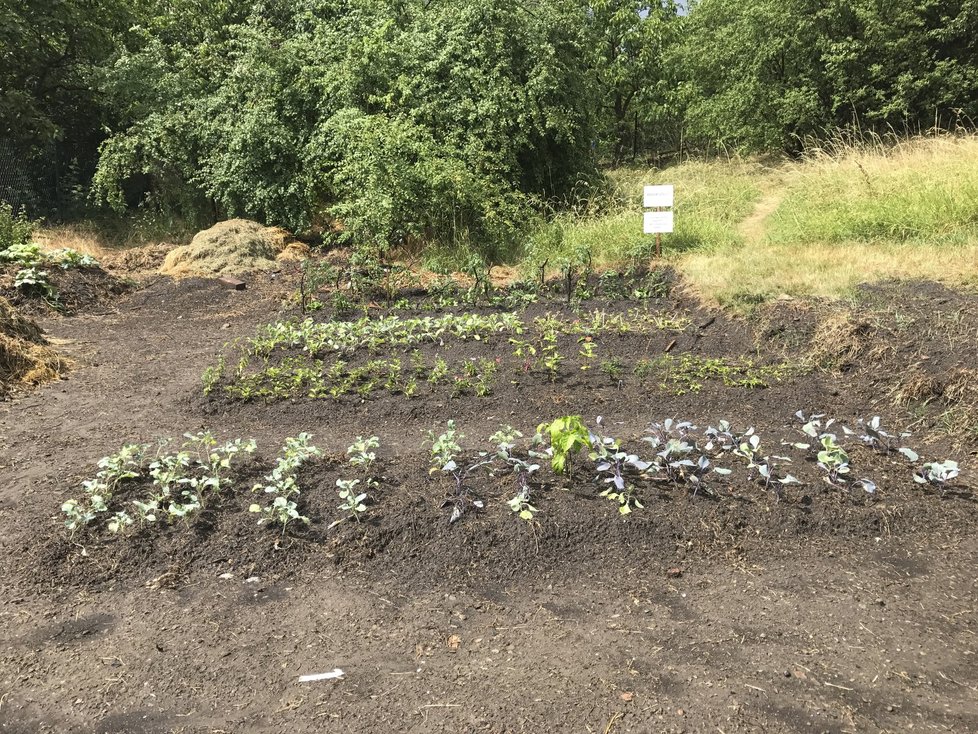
(753,228)
(811,631)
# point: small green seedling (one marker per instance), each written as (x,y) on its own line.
(520,504)
(353,501)
(938,474)
(361,452)
(624,497)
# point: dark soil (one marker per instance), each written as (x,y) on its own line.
(822,611)
(75,290)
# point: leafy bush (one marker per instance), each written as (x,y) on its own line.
(15,229)
(440,127)
(568,437)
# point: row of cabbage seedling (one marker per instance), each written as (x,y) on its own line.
(181,484)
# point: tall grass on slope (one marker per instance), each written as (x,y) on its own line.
(922,190)
(711,197)
(854,215)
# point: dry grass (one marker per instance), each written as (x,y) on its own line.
(851,215)
(24,357)
(232,247)
(86,239)
(955,392)
(842,340)
(751,273)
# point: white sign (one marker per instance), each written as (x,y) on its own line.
(658,196)
(657,222)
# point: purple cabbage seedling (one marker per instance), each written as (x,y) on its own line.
(698,474)
(874,436)
(766,467)
(522,470)
(445,449)
(830,455)
(613,463)
(937,474)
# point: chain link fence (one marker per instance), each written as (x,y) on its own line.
(31,181)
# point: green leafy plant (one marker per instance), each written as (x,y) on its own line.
(613,367)
(587,351)
(282,483)
(68,258)
(114,469)
(361,452)
(16,230)
(445,446)
(445,457)
(520,504)
(937,473)
(522,470)
(353,501)
(34,281)
(624,497)
(568,437)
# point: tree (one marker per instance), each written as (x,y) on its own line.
(49,58)
(769,74)
(629,43)
(401,118)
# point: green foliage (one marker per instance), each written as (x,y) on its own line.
(404,120)
(16,229)
(453,127)
(182,483)
(445,447)
(16,247)
(625,499)
(914,192)
(568,436)
(52,54)
(630,43)
(283,484)
(767,74)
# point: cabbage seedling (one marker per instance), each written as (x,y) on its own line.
(505,440)
(353,501)
(936,473)
(873,435)
(520,504)
(624,497)
(361,452)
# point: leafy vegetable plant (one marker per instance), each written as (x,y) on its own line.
(938,474)
(568,436)
(281,483)
(361,455)
(505,440)
(873,435)
(445,451)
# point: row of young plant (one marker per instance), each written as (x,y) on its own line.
(302,375)
(354,286)
(678,455)
(373,334)
(183,483)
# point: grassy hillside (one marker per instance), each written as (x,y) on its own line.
(746,232)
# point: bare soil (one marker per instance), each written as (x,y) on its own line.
(822,612)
